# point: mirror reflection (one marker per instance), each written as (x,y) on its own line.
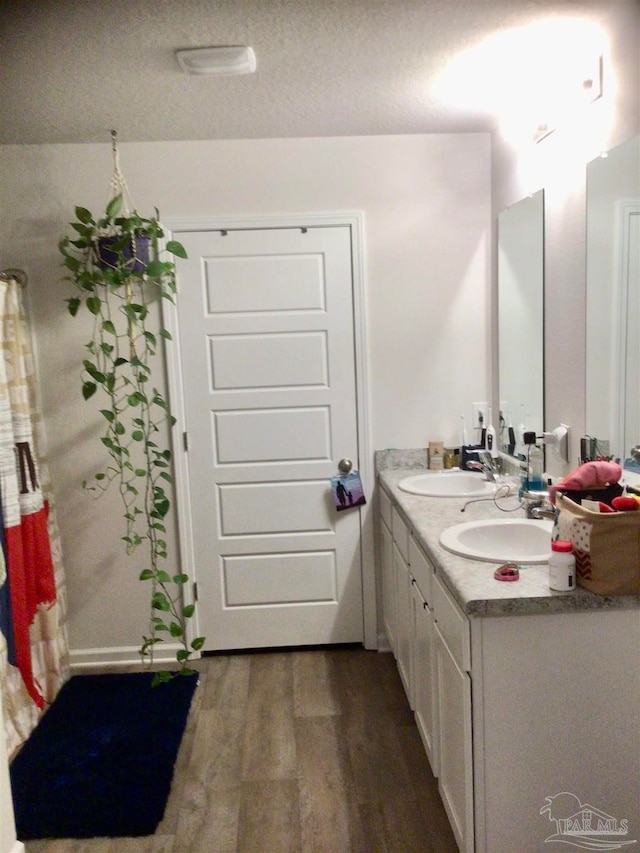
(613,303)
(521,320)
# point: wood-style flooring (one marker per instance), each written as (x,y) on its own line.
(295,752)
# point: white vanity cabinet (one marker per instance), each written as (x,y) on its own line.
(408,621)
(556,712)
(453,691)
(389,585)
(431,641)
(425,704)
(408,618)
(527,704)
(404,624)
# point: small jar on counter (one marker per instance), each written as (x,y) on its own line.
(436,454)
(451,457)
(562,566)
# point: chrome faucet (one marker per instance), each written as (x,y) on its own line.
(537,505)
(486,464)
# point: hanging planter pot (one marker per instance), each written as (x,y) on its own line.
(116,267)
(129,251)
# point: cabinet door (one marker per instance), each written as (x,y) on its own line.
(400,533)
(404,625)
(389,588)
(452,624)
(385,508)
(424,678)
(455,780)
(421,570)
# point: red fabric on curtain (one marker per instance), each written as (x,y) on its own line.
(31,583)
(34,658)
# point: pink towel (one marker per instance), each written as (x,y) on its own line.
(588,476)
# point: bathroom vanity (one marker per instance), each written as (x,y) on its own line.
(520,694)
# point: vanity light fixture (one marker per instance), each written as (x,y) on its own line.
(542,131)
(573,96)
(217,61)
(592,84)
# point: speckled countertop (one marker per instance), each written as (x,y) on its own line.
(472,582)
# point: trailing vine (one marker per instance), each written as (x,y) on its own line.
(115,265)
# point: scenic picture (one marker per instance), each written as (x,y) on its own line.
(347,490)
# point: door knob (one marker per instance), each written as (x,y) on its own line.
(345,465)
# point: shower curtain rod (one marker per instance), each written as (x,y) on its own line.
(19,275)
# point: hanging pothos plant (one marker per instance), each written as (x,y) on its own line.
(115,265)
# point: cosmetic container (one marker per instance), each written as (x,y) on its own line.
(451,457)
(562,566)
(436,454)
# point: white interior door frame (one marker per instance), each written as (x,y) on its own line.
(355,222)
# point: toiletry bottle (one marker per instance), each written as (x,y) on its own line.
(535,465)
(524,478)
(436,454)
(491,438)
(562,566)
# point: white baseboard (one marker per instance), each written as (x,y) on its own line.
(18,847)
(383,643)
(81,659)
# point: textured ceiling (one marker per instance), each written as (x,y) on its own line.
(70,70)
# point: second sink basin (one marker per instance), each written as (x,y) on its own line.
(450,484)
(501,540)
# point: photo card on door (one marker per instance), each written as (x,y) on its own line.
(347,490)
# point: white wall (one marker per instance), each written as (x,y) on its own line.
(426,202)
(558,164)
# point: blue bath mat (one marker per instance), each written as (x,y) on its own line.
(100,762)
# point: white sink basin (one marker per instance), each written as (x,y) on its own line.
(448,484)
(501,540)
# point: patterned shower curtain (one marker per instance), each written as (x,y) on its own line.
(33,638)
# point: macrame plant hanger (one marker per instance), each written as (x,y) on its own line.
(118,185)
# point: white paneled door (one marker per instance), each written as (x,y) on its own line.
(266,339)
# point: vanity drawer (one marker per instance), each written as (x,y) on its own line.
(400,533)
(422,571)
(385,508)
(452,623)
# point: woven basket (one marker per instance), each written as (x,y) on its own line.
(606,547)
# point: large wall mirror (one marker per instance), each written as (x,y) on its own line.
(521,317)
(613,301)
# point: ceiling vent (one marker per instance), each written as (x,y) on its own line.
(218,61)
